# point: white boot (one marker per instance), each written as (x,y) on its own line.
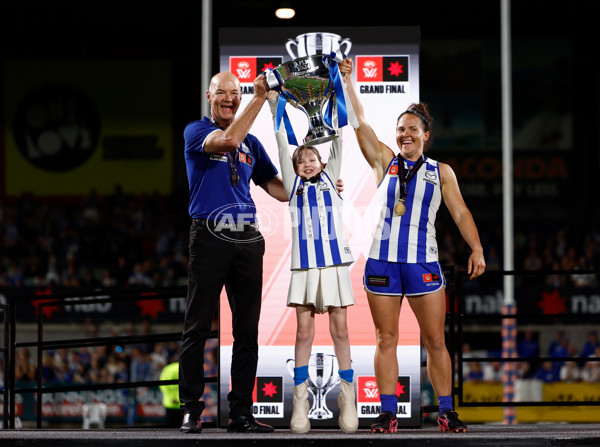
(299,422)
(348,419)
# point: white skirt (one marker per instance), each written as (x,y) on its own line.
(321,288)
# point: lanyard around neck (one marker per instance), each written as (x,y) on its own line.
(405,175)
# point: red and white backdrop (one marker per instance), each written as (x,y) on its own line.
(387,76)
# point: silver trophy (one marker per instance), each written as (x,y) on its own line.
(306,84)
(310,44)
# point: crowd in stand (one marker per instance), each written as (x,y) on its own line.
(123,240)
(579,364)
(111,363)
(114,241)
(556,246)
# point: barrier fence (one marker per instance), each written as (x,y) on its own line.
(36,307)
(55,301)
(539,306)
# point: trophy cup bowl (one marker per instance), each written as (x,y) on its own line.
(309,44)
(306,84)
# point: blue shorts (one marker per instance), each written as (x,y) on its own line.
(394,278)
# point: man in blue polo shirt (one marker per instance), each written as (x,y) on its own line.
(226,248)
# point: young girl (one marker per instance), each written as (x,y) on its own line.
(320,279)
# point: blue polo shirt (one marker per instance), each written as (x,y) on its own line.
(212,197)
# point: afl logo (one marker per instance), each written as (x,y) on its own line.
(229,220)
(370,69)
(56,128)
(244,71)
(370,389)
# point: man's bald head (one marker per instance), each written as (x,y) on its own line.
(224,96)
(221,78)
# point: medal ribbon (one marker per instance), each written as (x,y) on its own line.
(404,175)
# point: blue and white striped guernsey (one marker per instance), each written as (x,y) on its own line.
(409,238)
(318,238)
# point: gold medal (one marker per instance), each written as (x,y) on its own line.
(400,209)
(404,176)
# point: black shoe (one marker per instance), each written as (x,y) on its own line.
(247,424)
(386,422)
(449,422)
(191,423)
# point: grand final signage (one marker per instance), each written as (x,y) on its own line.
(387,81)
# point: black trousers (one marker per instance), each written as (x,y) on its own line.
(233,259)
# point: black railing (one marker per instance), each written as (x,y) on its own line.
(5,355)
(63,299)
(462,318)
(456,319)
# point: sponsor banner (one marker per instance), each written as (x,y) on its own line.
(535,176)
(69,309)
(79,125)
(68,406)
(482,301)
(569,392)
(535,301)
(551,392)
(18,405)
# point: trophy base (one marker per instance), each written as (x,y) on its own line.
(319,138)
(320,416)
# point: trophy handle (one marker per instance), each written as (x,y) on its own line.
(290,366)
(288,47)
(348,44)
